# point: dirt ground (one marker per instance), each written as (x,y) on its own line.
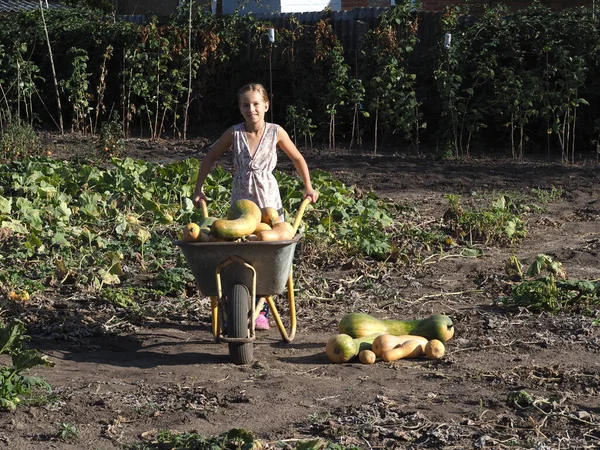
(123,386)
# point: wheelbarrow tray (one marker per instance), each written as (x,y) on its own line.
(272,262)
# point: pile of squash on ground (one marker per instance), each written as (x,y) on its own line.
(371,339)
(245,221)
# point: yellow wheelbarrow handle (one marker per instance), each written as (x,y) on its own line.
(298,218)
(204,208)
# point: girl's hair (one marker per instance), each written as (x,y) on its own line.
(256,87)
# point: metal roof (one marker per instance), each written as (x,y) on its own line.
(15,6)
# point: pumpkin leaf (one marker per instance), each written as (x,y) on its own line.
(108,278)
(5,205)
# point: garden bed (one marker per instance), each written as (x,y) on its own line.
(510,377)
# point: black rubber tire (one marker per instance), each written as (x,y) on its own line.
(238,313)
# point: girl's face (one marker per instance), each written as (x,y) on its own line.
(253,107)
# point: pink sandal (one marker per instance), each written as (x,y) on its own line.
(262,322)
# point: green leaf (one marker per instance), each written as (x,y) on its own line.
(471,252)
(7,404)
(108,278)
(11,336)
(510,228)
(30,358)
(540,263)
(16,226)
(5,205)
(143,236)
(60,238)
(63,212)
(499,203)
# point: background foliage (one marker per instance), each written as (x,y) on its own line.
(525,81)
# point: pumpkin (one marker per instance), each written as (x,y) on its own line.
(191,232)
(269,215)
(358,325)
(385,342)
(282,231)
(342,348)
(435,349)
(242,219)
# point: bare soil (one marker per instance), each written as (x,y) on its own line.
(122,384)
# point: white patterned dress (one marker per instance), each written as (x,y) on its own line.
(253,177)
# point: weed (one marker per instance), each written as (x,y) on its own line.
(174,281)
(497,224)
(111,140)
(547,195)
(14,384)
(19,141)
(298,120)
(67,431)
(76,87)
(315,418)
(444,153)
(546,288)
(122,298)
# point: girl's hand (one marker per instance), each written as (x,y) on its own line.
(312,194)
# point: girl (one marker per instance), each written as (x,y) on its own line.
(254,143)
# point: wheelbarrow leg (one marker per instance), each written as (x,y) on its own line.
(214,306)
(259,307)
(292,305)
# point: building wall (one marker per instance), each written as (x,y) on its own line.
(280,6)
(309,6)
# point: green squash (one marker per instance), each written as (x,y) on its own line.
(359,325)
(342,348)
(242,219)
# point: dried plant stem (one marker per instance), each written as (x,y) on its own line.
(189,92)
(58,104)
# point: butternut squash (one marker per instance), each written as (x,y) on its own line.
(410,349)
(262,227)
(242,219)
(367,356)
(435,349)
(385,342)
(270,215)
(342,348)
(357,325)
(282,231)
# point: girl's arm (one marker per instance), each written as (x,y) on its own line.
(217,149)
(289,148)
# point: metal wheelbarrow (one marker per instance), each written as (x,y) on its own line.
(233,274)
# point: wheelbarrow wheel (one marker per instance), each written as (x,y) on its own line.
(238,313)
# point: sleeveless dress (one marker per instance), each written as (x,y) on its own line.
(253,177)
